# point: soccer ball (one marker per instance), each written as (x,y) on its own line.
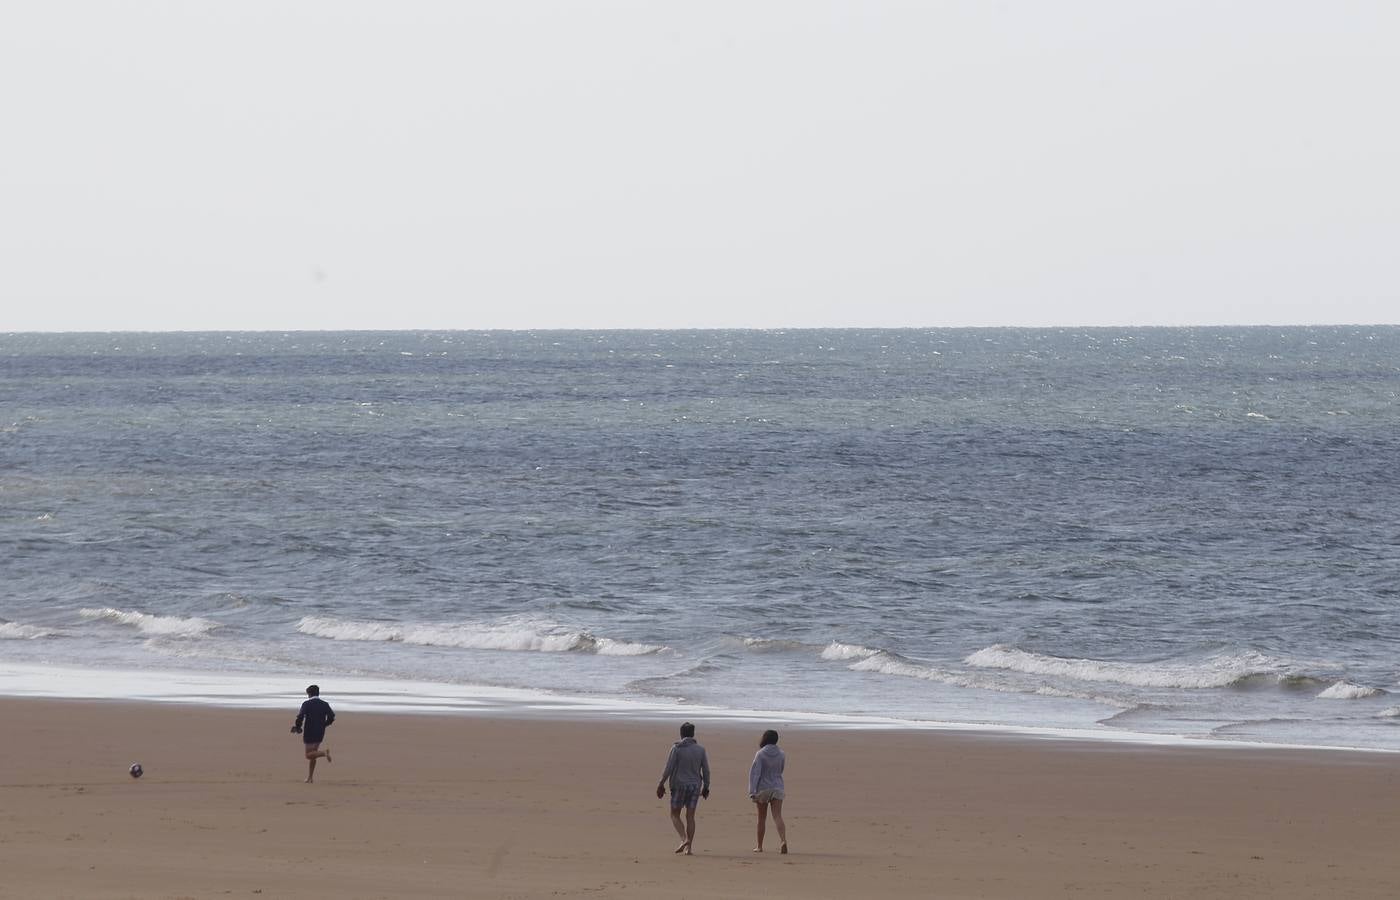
(136,770)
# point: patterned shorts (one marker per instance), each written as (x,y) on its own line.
(685,795)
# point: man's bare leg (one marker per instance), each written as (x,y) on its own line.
(680,830)
(313,754)
(762,822)
(689,829)
(782,826)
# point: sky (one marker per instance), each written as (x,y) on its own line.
(346,164)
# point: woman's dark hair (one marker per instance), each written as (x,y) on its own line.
(769,737)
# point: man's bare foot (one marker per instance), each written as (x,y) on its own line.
(328,754)
(783,848)
(684,847)
(687,848)
(308,781)
(758,849)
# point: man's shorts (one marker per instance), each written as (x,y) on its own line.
(685,795)
(768,796)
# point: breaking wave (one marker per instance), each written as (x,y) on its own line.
(893,664)
(886,663)
(1219,671)
(1345,690)
(14,631)
(771,645)
(838,650)
(160,626)
(542,637)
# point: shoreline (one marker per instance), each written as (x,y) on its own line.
(491,806)
(379,696)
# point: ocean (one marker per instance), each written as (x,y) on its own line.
(1178,532)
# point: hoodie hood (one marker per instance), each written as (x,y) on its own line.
(770,750)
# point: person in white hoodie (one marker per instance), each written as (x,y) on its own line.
(766,786)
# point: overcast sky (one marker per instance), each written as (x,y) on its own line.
(515,164)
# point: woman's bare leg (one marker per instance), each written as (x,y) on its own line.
(782,826)
(762,823)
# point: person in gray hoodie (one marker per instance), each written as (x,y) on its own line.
(766,786)
(688,771)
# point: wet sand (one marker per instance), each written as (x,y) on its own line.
(454,806)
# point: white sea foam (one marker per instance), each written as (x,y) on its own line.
(160,626)
(14,631)
(1214,672)
(1345,690)
(509,634)
(838,650)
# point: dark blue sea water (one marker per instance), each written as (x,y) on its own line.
(1173,531)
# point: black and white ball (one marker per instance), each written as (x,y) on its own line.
(136,770)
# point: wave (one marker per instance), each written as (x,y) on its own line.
(772,645)
(669,685)
(835,650)
(1345,690)
(14,631)
(146,623)
(838,650)
(884,662)
(519,635)
(1224,670)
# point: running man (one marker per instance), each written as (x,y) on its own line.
(688,770)
(317,715)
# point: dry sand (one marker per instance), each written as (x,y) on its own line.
(421,806)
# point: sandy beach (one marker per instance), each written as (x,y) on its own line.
(440,806)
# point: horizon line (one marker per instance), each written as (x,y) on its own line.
(709,328)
